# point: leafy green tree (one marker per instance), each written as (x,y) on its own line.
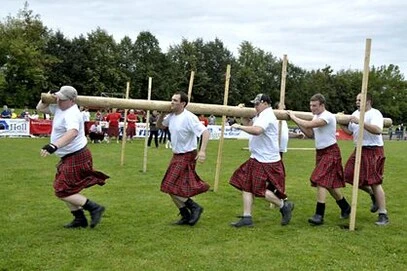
(22,58)
(257,72)
(389,90)
(103,71)
(60,72)
(149,62)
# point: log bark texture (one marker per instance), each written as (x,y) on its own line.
(196,108)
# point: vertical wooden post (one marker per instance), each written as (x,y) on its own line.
(221,139)
(281,104)
(359,142)
(191,83)
(124,135)
(147,126)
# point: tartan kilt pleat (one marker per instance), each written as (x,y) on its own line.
(181,178)
(75,173)
(130,131)
(113,131)
(328,170)
(255,177)
(371,166)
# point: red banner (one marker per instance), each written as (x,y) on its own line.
(341,135)
(40,127)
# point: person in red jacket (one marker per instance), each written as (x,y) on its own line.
(113,118)
(131,125)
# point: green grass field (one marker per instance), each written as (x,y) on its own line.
(136,232)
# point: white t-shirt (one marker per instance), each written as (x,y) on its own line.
(374,117)
(264,147)
(325,136)
(284,135)
(86,115)
(184,129)
(65,120)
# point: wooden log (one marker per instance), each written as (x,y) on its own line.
(196,108)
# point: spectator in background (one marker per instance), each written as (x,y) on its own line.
(153,129)
(25,113)
(212,120)
(13,114)
(95,132)
(85,114)
(6,113)
(131,125)
(113,131)
(205,122)
(391,132)
(34,115)
(231,120)
(165,133)
(98,115)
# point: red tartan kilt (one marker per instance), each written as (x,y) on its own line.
(74,173)
(113,131)
(255,177)
(130,131)
(181,178)
(328,171)
(371,166)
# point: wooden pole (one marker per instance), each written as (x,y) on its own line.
(124,127)
(196,108)
(360,137)
(220,146)
(281,104)
(191,83)
(147,126)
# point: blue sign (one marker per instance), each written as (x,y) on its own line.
(4,125)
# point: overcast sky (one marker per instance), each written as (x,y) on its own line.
(313,33)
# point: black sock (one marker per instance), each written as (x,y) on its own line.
(320,209)
(343,204)
(373,198)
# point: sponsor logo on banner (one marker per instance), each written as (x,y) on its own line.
(14,127)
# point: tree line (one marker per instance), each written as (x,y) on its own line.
(35,59)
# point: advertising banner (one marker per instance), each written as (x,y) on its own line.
(14,127)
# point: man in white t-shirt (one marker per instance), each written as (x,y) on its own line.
(181,181)
(75,169)
(263,175)
(328,173)
(372,161)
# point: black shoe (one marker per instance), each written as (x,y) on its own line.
(76,223)
(245,221)
(286,211)
(345,213)
(96,216)
(96,212)
(316,220)
(79,221)
(185,216)
(382,220)
(196,211)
